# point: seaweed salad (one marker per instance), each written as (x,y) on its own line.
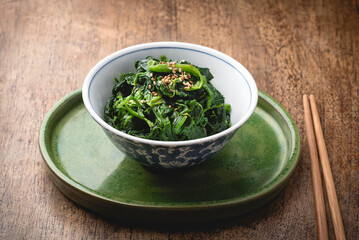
(168,101)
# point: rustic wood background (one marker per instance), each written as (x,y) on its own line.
(290,47)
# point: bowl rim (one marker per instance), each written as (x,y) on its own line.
(168,44)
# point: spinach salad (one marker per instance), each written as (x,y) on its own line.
(167,100)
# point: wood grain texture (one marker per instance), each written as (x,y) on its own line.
(290,47)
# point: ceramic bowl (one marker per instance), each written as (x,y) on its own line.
(230,78)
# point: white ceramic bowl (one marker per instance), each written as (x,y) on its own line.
(230,78)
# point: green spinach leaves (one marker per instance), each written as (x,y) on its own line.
(167,100)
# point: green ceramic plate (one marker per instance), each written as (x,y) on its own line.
(246,174)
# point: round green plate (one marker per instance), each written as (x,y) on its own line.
(91,171)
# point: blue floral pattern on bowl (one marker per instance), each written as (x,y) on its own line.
(171,156)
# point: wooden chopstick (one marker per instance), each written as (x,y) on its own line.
(327,174)
(315,171)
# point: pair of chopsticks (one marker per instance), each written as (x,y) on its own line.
(311,115)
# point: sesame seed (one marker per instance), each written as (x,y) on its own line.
(153,79)
(151,74)
(149,86)
(180,69)
(169,106)
(176,109)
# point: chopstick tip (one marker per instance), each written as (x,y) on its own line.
(311,98)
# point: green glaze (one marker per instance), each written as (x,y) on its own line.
(90,170)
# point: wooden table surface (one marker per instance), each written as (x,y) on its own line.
(290,47)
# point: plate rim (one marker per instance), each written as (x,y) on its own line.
(278,182)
